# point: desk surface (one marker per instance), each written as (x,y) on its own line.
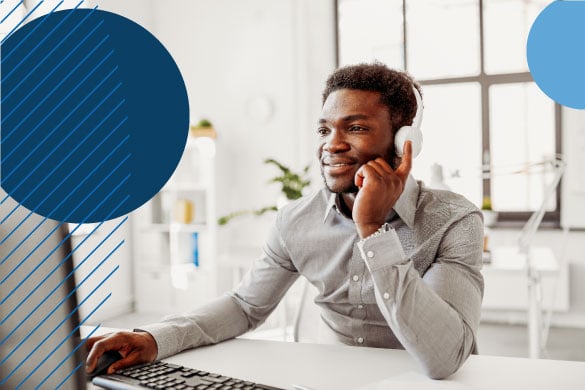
(318,366)
(343,367)
(322,367)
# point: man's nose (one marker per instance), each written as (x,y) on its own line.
(336,142)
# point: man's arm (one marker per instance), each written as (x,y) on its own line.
(223,318)
(434,317)
(234,313)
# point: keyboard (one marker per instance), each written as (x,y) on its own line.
(161,375)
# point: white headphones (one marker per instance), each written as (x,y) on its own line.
(412,132)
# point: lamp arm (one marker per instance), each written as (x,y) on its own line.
(531,226)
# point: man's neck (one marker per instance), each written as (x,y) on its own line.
(346,203)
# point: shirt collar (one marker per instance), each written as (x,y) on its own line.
(405,206)
(331,203)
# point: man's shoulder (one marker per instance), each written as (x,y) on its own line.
(445,201)
(310,205)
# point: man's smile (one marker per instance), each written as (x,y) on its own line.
(337,166)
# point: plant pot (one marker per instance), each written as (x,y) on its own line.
(490,217)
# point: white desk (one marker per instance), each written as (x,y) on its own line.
(509,285)
(341,367)
(506,282)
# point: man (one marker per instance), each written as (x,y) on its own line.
(397,265)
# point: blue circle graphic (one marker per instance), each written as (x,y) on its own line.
(95,115)
(555,52)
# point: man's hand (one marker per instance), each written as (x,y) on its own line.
(135,348)
(379,188)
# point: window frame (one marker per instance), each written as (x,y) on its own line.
(485,81)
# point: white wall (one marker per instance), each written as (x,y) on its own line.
(233,54)
(239,58)
(139,11)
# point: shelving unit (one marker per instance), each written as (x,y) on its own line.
(176,260)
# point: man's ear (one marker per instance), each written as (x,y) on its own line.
(393,159)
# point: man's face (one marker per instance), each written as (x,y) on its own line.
(354,128)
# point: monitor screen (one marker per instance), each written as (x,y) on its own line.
(39,345)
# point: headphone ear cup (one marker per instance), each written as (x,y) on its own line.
(408,133)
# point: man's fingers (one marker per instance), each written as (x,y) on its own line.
(365,172)
(96,349)
(115,341)
(378,165)
(92,340)
(380,162)
(358,180)
(405,166)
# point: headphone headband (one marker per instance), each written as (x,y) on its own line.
(411,133)
(419,109)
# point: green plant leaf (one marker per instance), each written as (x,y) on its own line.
(292,185)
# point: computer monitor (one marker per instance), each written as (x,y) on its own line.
(38,320)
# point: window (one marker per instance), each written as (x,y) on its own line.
(482,108)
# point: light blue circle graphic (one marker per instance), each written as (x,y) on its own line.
(95,115)
(556,52)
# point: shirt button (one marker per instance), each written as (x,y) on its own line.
(370,254)
(386,295)
(360,340)
(355,278)
(360,307)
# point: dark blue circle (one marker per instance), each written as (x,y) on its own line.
(95,115)
(555,52)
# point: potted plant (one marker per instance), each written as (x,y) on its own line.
(203,128)
(292,185)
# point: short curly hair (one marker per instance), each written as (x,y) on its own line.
(394,86)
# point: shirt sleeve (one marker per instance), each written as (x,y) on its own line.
(234,313)
(435,316)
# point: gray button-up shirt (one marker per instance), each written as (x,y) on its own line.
(415,284)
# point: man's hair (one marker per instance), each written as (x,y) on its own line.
(395,88)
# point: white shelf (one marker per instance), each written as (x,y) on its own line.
(166,278)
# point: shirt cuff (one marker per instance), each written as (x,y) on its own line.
(165,336)
(381,249)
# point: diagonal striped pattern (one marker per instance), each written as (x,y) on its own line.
(23,19)
(61,102)
(29,73)
(11,11)
(76,369)
(34,321)
(39,285)
(60,81)
(7,55)
(80,203)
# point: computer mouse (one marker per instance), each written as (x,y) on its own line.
(104,362)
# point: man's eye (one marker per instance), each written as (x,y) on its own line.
(357,128)
(323,131)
